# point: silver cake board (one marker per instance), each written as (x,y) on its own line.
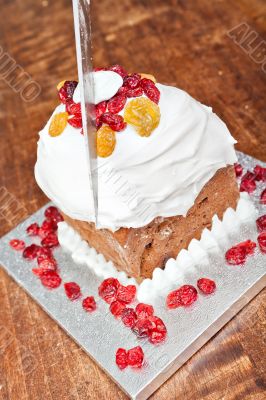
(100,334)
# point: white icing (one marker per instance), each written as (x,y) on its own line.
(145,177)
(177,271)
(106,85)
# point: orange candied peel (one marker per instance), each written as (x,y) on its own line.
(58,124)
(148,76)
(60,85)
(143,114)
(106,141)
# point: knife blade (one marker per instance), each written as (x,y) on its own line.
(82,23)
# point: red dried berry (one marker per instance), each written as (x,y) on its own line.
(184,296)
(116,122)
(248,183)
(121,358)
(38,271)
(261,223)
(263,197)
(33,229)
(132,81)
(135,357)
(72,290)
(116,104)
(126,294)
(100,108)
(123,91)
(262,241)
(238,169)
(52,213)
(260,173)
(144,311)
(73,108)
(50,279)
(142,327)
(158,331)
(31,252)
(129,317)
(48,263)
(117,307)
(206,285)
(48,226)
(96,69)
(151,91)
(17,244)
(89,304)
(44,252)
(75,121)
(67,90)
(134,92)
(119,70)
(51,240)
(108,290)
(237,254)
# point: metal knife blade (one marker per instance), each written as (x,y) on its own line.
(82,22)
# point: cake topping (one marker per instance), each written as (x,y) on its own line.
(143,114)
(58,124)
(17,244)
(72,290)
(184,296)
(206,285)
(262,241)
(105,141)
(66,91)
(263,197)
(89,304)
(121,358)
(237,254)
(261,223)
(50,279)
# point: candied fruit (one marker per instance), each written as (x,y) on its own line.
(262,241)
(58,124)
(135,357)
(184,296)
(17,244)
(89,304)
(121,358)
(105,141)
(72,290)
(143,114)
(206,285)
(108,290)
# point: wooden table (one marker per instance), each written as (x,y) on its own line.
(184,43)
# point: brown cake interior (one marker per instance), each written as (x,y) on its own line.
(139,251)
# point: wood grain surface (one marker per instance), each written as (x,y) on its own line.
(184,43)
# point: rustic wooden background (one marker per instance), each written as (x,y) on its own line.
(184,43)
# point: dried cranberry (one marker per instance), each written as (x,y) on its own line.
(33,229)
(151,91)
(237,254)
(129,317)
(121,358)
(108,290)
(116,104)
(158,331)
(119,70)
(135,357)
(31,252)
(144,311)
(75,121)
(52,213)
(100,108)
(38,271)
(89,304)
(96,69)
(117,307)
(48,263)
(116,122)
(51,240)
(44,252)
(17,244)
(260,173)
(132,81)
(73,108)
(184,296)
(50,279)
(123,91)
(261,223)
(67,90)
(126,293)
(142,327)
(238,169)
(262,241)
(47,227)
(134,92)
(248,183)
(72,290)
(263,197)
(206,285)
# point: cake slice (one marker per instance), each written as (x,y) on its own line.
(165,168)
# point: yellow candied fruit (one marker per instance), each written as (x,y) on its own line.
(105,141)
(148,76)
(60,85)
(58,124)
(143,114)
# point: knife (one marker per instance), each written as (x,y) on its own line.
(82,23)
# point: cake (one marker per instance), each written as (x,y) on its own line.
(165,168)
